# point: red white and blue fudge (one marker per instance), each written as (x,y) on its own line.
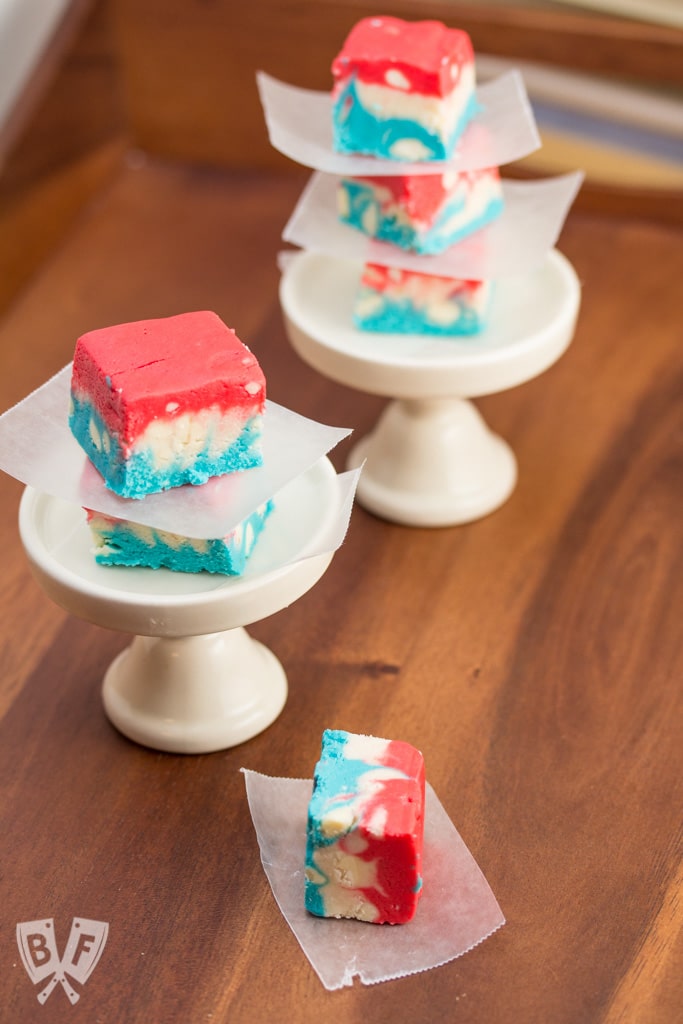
(121,542)
(160,403)
(397,301)
(402,90)
(424,213)
(365,829)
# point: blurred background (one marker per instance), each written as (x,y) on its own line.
(86,85)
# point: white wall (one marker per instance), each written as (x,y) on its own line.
(26,27)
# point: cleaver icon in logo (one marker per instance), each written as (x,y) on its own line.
(38,948)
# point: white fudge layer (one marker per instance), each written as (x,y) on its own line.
(181,440)
(170,451)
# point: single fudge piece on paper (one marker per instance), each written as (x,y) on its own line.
(402,90)
(425,213)
(121,542)
(160,403)
(365,829)
(396,301)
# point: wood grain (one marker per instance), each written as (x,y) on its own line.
(534,656)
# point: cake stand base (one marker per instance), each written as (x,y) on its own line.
(433,462)
(193,695)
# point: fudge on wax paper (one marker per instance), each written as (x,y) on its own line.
(365,829)
(402,90)
(160,403)
(424,213)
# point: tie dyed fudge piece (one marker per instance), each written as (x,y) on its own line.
(397,301)
(365,829)
(160,403)
(402,90)
(424,213)
(121,542)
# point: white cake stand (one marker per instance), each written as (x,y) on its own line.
(192,680)
(431,460)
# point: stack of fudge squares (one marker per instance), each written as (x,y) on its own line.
(405,91)
(157,404)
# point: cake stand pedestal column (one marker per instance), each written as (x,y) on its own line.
(433,462)
(194,694)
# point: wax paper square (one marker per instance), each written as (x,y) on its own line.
(299,123)
(456,911)
(38,448)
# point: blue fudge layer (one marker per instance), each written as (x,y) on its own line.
(137,475)
(405,318)
(357,130)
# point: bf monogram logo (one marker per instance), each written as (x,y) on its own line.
(38,948)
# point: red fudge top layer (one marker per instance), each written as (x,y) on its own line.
(382,279)
(427,55)
(150,369)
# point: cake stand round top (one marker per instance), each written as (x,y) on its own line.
(158,602)
(531,324)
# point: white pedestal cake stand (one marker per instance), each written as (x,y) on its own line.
(431,460)
(192,680)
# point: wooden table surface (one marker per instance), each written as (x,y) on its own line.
(534,656)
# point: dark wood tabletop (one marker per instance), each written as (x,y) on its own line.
(534,657)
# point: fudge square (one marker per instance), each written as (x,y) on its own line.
(365,829)
(397,301)
(160,403)
(425,213)
(402,90)
(121,542)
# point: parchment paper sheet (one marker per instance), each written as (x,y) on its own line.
(456,911)
(516,243)
(38,448)
(299,123)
